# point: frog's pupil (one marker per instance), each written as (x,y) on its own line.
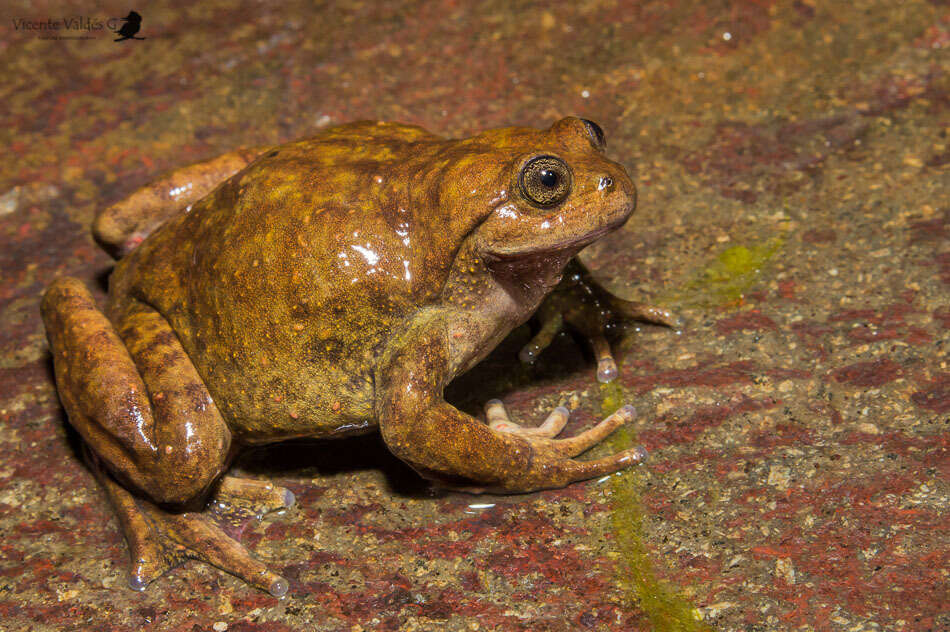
(548,178)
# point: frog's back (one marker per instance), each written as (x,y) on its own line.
(283,283)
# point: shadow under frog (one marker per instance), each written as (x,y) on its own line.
(329,288)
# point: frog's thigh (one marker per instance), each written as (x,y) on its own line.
(134,396)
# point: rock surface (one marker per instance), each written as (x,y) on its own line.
(792,165)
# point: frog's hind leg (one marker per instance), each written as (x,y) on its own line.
(134,396)
(141,408)
(124,225)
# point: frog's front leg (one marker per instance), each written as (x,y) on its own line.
(124,225)
(445,445)
(588,307)
(148,422)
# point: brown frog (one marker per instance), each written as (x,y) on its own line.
(323,288)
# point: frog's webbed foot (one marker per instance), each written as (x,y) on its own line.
(544,435)
(589,308)
(160,540)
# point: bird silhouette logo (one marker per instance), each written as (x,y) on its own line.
(133,22)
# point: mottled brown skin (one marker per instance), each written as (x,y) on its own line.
(332,286)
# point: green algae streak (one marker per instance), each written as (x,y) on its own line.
(727,279)
(663,606)
(723,283)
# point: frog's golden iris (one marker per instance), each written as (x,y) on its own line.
(545,181)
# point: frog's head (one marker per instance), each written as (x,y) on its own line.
(554,191)
(523,201)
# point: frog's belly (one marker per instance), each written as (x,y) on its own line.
(263,403)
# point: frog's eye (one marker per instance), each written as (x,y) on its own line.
(545,181)
(596,134)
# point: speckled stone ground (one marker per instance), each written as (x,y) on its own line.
(792,163)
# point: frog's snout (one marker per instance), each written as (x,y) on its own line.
(618,194)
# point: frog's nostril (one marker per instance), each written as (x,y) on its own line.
(606,183)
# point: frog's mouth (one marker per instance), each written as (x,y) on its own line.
(557,248)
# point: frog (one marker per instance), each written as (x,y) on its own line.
(326,288)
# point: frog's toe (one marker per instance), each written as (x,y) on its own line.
(146,568)
(606,365)
(279,587)
(606,370)
(583,470)
(551,324)
(205,541)
(497,417)
(647,313)
(572,446)
(499,421)
(137,582)
(289,499)
(530,352)
(249,495)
